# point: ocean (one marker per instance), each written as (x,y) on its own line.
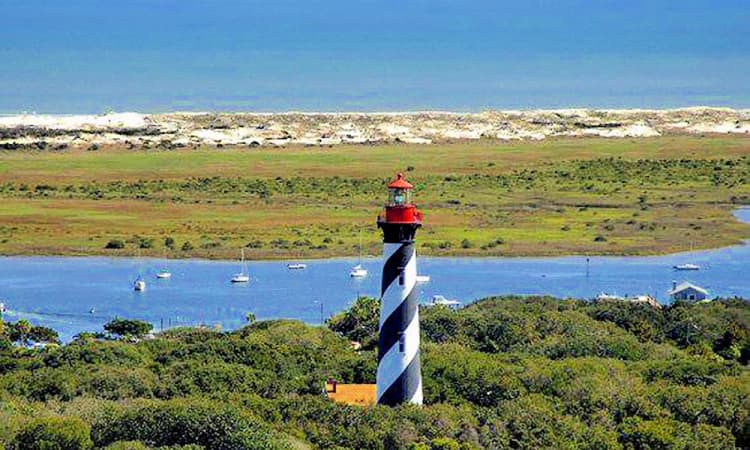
(87,56)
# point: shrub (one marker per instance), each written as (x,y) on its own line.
(169,242)
(115,244)
(127,445)
(207,424)
(145,242)
(54,433)
(187,246)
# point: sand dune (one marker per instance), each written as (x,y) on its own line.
(296,128)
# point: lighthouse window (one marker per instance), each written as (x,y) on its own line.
(399,197)
(401,276)
(401,342)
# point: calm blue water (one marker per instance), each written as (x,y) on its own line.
(59,292)
(88,56)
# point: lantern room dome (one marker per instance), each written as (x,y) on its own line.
(400,183)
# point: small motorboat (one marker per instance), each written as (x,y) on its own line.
(139,284)
(358,271)
(687,266)
(605,296)
(3,309)
(296,266)
(439,300)
(423,278)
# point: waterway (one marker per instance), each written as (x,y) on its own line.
(74,294)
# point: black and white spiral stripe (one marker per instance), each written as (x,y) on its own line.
(399,376)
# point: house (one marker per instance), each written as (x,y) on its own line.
(687,292)
(351,394)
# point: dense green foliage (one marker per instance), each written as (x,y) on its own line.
(126,327)
(515,373)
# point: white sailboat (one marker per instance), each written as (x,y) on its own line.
(687,266)
(164,273)
(359,271)
(423,279)
(139,284)
(241,277)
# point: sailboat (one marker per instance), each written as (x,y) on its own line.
(241,277)
(359,271)
(687,266)
(164,273)
(139,284)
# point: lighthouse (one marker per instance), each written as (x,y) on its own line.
(399,377)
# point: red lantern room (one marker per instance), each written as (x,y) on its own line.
(402,218)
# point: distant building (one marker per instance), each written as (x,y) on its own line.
(603,297)
(687,292)
(351,394)
(645,299)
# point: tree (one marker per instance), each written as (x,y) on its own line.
(22,329)
(54,433)
(43,334)
(360,322)
(126,327)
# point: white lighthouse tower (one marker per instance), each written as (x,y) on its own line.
(399,377)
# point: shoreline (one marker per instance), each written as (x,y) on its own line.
(252,129)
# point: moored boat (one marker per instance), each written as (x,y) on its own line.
(242,276)
(439,300)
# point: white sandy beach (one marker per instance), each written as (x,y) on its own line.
(183,129)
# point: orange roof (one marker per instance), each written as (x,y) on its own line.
(400,183)
(353,394)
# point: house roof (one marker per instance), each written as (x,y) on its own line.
(685,285)
(352,394)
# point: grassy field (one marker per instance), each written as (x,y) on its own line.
(560,196)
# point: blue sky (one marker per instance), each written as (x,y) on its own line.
(87,55)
